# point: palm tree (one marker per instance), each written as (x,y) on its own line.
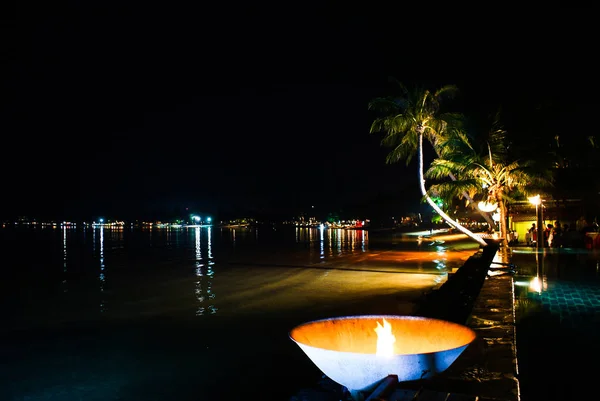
(393,106)
(406,121)
(490,173)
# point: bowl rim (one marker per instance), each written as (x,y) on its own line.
(390,317)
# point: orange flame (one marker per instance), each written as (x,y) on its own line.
(385,339)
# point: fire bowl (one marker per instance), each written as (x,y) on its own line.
(345,348)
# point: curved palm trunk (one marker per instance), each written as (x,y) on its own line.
(436,207)
(503,223)
(465,195)
(483,214)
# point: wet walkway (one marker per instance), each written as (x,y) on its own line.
(488,367)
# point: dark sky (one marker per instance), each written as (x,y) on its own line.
(135,108)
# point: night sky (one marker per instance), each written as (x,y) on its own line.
(136,110)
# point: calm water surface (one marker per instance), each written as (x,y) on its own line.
(191,313)
(558,322)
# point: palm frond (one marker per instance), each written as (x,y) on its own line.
(453,189)
(441,168)
(454,120)
(447,91)
(455,143)
(405,149)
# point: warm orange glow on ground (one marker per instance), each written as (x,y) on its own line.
(356,335)
(410,257)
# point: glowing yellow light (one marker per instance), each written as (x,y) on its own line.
(487,206)
(536,285)
(385,339)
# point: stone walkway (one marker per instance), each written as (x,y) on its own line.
(488,367)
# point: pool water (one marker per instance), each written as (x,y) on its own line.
(557,294)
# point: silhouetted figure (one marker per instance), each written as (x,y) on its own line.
(531,236)
(548,233)
(557,232)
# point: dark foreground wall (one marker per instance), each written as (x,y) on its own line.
(488,367)
(454,300)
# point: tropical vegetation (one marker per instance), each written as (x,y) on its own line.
(406,120)
(487,172)
(480,167)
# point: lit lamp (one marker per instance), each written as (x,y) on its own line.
(537,201)
(489,207)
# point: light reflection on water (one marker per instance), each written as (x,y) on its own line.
(144,272)
(102,275)
(204,274)
(557,301)
(336,241)
(322,244)
(143,306)
(65,281)
(539,272)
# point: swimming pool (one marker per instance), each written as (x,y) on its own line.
(557,301)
